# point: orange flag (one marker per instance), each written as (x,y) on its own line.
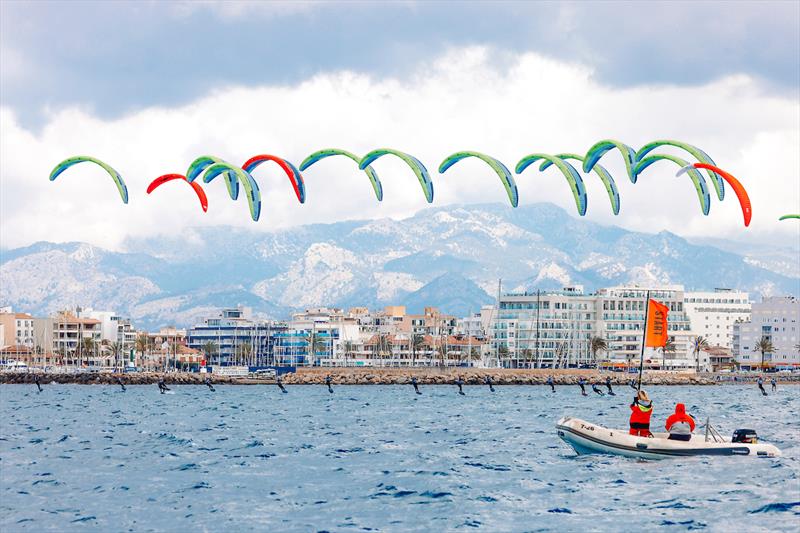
(656,336)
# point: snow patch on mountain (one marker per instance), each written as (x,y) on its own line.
(392,285)
(325,273)
(555,272)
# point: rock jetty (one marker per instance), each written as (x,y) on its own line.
(374,376)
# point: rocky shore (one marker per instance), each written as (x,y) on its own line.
(476,376)
(385,376)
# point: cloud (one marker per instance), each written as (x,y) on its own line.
(116,57)
(461,100)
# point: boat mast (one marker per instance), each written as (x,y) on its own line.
(644,339)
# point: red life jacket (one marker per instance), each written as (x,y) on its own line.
(640,415)
(680,416)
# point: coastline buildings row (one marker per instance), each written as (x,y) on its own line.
(543,329)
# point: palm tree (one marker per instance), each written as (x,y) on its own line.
(314,344)
(141,344)
(502,352)
(116,350)
(209,348)
(597,344)
(348,347)
(474,354)
(700,343)
(416,342)
(88,347)
(765,347)
(669,347)
(527,353)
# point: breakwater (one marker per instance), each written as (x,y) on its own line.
(387,376)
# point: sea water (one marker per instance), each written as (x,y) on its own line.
(377,458)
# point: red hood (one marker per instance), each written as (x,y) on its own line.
(680,409)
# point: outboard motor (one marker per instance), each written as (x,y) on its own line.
(746,436)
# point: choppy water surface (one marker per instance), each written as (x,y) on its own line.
(375,458)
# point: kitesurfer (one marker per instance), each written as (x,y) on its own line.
(761,385)
(774,384)
(328,381)
(550,382)
(608,386)
(641,410)
(596,390)
(632,384)
(679,424)
(581,383)
(209,385)
(38,385)
(279,382)
(415,384)
(162,386)
(459,382)
(121,384)
(488,381)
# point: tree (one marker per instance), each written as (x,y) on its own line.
(141,344)
(700,343)
(764,346)
(474,354)
(209,349)
(527,353)
(669,347)
(416,342)
(116,350)
(502,352)
(314,344)
(88,347)
(597,344)
(348,348)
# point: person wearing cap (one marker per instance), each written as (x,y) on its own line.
(641,410)
(679,424)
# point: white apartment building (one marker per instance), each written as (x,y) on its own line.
(713,313)
(549,329)
(621,313)
(545,329)
(477,325)
(776,319)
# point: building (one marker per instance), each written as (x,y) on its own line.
(401,350)
(234,338)
(430,322)
(76,341)
(18,329)
(545,329)
(554,329)
(712,314)
(478,324)
(776,320)
(322,337)
(621,312)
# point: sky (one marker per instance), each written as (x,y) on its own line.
(149,86)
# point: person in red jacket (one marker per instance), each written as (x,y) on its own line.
(641,410)
(679,424)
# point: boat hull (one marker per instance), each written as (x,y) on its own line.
(588,438)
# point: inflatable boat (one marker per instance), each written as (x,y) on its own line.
(588,438)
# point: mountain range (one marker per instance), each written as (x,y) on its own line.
(450,257)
